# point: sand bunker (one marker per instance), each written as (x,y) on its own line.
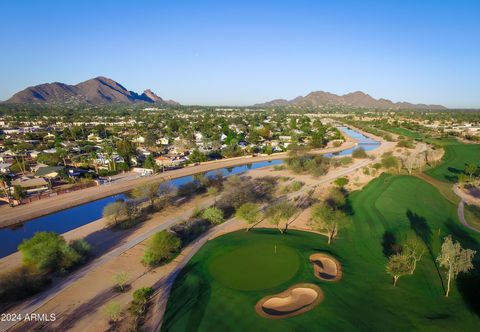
(326,267)
(294,301)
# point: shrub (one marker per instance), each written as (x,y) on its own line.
(341,182)
(139,304)
(113,311)
(359,153)
(189,230)
(21,283)
(292,187)
(162,247)
(121,280)
(49,252)
(213,215)
(82,247)
(189,189)
(405,144)
(212,191)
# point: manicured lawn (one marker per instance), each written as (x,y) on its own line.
(457,155)
(255,266)
(363,300)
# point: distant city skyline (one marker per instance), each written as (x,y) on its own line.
(247,52)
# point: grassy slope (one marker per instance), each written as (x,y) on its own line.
(364,299)
(457,155)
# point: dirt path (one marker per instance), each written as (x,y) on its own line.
(41,299)
(88,280)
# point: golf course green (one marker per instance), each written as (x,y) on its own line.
(457,155)
(206,296)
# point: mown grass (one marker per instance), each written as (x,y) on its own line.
(457,155)
(364,300)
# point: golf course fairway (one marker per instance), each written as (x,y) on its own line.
(364,299)
(457,155)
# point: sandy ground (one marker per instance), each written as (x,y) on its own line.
(104,239)
(325,267)
(294,301)
(10,216)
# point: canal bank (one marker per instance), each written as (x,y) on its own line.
(69,219)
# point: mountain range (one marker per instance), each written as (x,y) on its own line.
(354,99)
(96,91)
(103,90)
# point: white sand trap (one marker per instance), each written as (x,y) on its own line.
(294,301)
(326,267)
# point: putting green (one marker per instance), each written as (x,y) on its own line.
(255,266)
(384,212)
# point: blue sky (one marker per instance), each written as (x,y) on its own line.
(243,52)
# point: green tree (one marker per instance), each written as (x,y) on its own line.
(279,213)
(114,211)
(325,218)
(454,259)
(147,191)
(18,193)
(250,213)
(48,252)
(161,247)
(398,265)
(150,163)
(470,169)
(126,150)
(214,215)
(197,157)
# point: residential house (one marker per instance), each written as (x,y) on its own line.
(30,186)
(49,172)
(5,168)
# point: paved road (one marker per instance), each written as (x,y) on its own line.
(461,210)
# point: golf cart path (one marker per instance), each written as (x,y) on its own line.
(461,209)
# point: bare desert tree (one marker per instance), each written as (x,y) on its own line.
(414,248)
(454,259)
(114,211)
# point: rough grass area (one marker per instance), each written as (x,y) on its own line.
(364,299)
(457,155)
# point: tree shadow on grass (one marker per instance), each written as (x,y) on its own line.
(422,229)
(390,244)
(348,207)
(191,298)
(455,170)
(468,284)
